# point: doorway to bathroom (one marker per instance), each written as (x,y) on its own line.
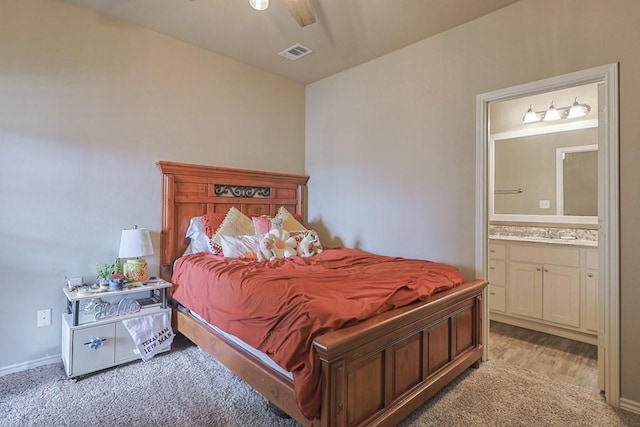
(542,289)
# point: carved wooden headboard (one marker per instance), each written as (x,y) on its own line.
(193,190)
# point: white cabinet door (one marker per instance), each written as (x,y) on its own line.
(590,313)
(561,295)
(124,344)
(525,289)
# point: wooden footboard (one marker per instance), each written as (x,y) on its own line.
(379,371)
(376,372)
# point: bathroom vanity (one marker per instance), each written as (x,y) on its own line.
(545,282)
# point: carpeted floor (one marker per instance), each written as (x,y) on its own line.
(188,388)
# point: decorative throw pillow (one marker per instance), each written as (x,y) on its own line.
(283,244)
(235,223)
(212,221)
(199,241)
(263,224)
(289,221)
(244,246)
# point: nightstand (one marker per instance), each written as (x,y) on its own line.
(93,336)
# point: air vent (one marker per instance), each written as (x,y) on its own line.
(296,51)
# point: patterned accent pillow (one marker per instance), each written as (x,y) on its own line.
(235,223)
(212,221)
(289,221)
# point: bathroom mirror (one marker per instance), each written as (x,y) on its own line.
(546,174)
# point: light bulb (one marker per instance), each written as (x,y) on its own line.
(259,4)
(551,114)
(578,110)
(531,116)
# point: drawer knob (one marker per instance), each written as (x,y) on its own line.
(492,268)
(589,274)
(95,342)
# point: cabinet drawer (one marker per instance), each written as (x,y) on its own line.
(569,257)
(497,298)
(497,272)
(592,260)
(528,253)
(497,251)
(86,358)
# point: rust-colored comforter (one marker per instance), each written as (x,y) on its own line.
(279,307)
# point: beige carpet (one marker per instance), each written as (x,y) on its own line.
(188,388)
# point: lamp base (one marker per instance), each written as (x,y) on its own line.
(135,270)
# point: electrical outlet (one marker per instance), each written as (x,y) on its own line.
(44,317)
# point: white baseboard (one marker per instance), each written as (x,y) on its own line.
(5,370)
(629,405)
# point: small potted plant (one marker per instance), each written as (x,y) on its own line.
(103,271)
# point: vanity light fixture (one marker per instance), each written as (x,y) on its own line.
(556,113)
(259,4)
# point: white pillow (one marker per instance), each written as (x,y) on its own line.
(199,239)
(244,246)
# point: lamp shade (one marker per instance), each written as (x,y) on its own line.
(134,243)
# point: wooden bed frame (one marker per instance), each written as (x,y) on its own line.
(374,373)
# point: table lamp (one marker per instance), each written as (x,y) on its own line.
(135,243)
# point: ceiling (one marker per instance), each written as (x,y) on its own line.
(346,33)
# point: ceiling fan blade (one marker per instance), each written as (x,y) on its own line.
(302,11)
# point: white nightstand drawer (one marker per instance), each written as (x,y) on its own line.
(93,348)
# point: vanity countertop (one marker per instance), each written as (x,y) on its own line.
(554,241)
(556,236)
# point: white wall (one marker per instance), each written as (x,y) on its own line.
(390,145)
(88,105)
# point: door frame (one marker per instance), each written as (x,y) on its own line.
(608,206)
